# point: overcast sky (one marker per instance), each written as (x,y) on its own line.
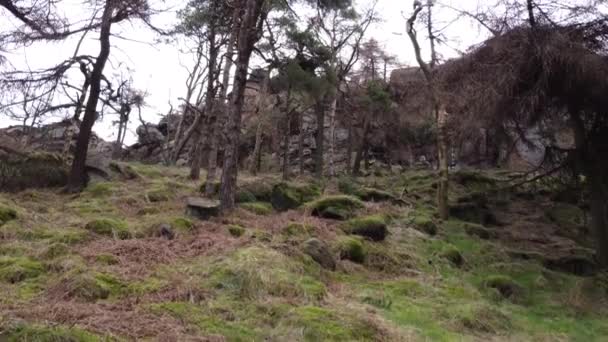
(158,68)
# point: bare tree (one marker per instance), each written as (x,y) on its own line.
(438,107)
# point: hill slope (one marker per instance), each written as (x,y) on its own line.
(122,261)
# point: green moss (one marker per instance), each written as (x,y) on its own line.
(182,224)
(17,269)
(101,189)
(235,230)
(109,227)
(335,207)
(324,324)
(7,214)
(38,333)
(371,227)
(287,196)
(256,272)
(351,249)
(106,259)
(452,254)
(258,208)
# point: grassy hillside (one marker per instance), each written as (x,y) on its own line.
(350,260)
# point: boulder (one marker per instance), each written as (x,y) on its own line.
(371,227)
(286,196)
(320,253)
(202,208)
(335,207)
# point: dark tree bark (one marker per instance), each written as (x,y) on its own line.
(301,142)
(320,137)
(286,134)
(78,178)
(248,34)
(204,141)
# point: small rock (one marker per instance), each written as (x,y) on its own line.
(202,208)
(165,230)
(320,253)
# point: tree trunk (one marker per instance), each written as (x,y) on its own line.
(78,178)
(216,132)
(301,143)
(286,135)
(349,148)
(246,39)
(361,150)
(260,109)
(332,132)
(204,140)
(442,156)
(599,215)
(319,137)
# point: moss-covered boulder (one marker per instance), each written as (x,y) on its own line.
(298,229)
(335,207)
(422,220)
(351,248)
(260,190)
(286,196)
(109,227)
(17,269)
(244,196)
(320,253)
(371,227)
(236,230)
(375,195)
(7,214)
(453,255)
(158,195)
(258,208)
(505,286)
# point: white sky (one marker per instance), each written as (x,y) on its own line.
(158,68)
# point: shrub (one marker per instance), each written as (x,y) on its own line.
(244,196)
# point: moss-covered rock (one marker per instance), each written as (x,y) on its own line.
(352,249)
(183,224)
(423,222)
(17,269)
(7,214)
(453,255)
(372,227)
(258,208)
(286,196)
(261,190)
(375,195)
(236,230)
(109,227)
(335,207)
(244,196)
(320,253)
(505,285)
